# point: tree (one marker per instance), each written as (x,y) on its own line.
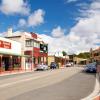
(84,55)
(64,53)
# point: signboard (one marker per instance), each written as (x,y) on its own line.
(4,44)
(43,48)
(34,35)
(9,46)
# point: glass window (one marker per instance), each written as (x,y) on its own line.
(29,43)
(36,44)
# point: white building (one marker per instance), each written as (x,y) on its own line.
(30,47)
(10,54)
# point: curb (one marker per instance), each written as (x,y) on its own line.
(13,73)
(97,97)
(95,92)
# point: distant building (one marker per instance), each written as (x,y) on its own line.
(61,60)
(79,61)
(76,60)
(71,58)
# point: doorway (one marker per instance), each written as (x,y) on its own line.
(6,62)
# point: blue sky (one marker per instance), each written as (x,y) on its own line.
(71,24)
(57,13)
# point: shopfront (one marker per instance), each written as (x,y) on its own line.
(10,55)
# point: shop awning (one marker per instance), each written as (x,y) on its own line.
(14,54)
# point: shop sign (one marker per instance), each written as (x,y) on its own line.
(4,44)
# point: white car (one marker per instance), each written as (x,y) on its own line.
(42,67)
(69,64)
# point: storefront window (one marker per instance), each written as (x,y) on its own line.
(16,62)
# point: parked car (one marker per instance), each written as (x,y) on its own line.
(54,65)
(90,67)
(42,67)
(69,64)
(72,63)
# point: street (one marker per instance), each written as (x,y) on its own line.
(60,84)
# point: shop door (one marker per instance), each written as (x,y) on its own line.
(6,62)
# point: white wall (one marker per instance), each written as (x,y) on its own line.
(15,47)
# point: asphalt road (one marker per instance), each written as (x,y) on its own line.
(61,84)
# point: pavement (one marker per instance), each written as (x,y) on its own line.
(94,96)
(73,88)
(4,73)
(97,97)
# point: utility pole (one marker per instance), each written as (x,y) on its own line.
(32,53)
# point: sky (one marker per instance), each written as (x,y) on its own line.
(69,25)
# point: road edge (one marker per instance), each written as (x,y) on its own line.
(95,91)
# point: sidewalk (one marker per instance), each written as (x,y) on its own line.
(14,72)
(98,95)
(97,98)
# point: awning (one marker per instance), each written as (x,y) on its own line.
(14,54)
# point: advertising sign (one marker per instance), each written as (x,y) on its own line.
(4,44)
(9,46)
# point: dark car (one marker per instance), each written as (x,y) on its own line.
(54,65)
(91,68)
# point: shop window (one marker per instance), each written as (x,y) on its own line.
(16,62)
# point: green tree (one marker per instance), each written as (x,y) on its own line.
(64,53)
(84,55)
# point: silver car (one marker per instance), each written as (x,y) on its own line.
(42,67)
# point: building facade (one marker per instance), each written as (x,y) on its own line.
(10,56)
(59,60)
(35,51)
(95,55)
(79,61)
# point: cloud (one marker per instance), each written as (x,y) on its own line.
(70,1)
(57,32)
(22,23)
(10,7)
(36,18)
(59,44)
(83,36)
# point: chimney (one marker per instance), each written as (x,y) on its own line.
(9,32)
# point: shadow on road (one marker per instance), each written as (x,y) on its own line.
(88,73)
